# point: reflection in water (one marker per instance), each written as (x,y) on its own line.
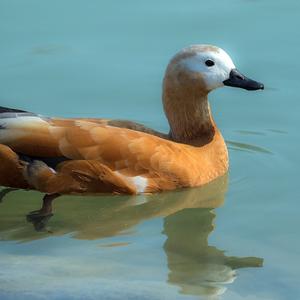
(199,269)
(194,266)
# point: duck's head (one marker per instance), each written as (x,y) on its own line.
(208,66)
(190,76)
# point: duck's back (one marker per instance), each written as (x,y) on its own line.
(146,162)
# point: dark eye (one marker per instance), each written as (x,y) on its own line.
(209,63)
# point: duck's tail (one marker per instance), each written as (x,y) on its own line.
(8,110)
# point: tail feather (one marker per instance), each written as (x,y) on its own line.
(7,109)
(8,113)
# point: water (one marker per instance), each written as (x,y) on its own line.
(234,239)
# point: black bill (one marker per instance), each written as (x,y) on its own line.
(236,79)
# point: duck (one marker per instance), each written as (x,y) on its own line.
(58,156)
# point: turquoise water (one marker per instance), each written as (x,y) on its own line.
(234,239)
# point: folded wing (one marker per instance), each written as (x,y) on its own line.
(133,155)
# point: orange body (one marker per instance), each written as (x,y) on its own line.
(103,158)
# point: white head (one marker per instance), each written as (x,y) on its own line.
(213,63)
(213,66)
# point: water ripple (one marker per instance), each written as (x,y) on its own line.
(246,147)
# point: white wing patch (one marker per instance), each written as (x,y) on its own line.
(17,127)
(139,182)
(22,122)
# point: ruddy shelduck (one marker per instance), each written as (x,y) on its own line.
(65,156)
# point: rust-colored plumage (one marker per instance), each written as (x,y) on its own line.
(104,158)
(64,156)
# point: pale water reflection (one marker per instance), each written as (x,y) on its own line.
(106,59)
(194,266)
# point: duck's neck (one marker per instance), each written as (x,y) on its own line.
(187,109)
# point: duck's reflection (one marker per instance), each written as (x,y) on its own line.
(194,266)
(199,269)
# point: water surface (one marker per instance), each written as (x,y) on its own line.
(236,238)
